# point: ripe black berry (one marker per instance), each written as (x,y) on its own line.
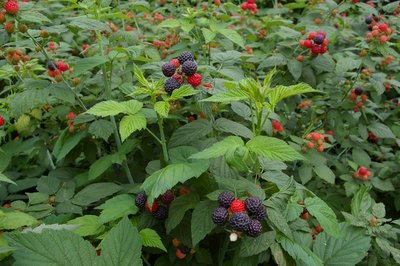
(240,221)
(254,228)
(51,66)
(225,199)
(140,200)
(220,216)
(161,213)
(189,68)
(261,213)
(171,84)
(319,39)
(167,197)
(253,204)
(185,56)
(168,69)
(368,20)
(358,91)
(184,249)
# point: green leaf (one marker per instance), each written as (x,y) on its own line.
(51,247)
(323,63)
(112,108)
(295,68)
(167,177)
(130,124)
(345,64)
(15,220)
(299,252)
(140,77)
(170,23)
(4,178)
(116,207)
(107,108)
(202,223)
(361,157)
(235,128)
(183,91)
(122,246)
(255,245)
(86,64)
(325,173)
(242,186)
(233,95)
(273,149)
(95,192)
(361,202)
(208,35)
(89,24)
(233,36)
(324,214)
(219,148)
(178,208)
(190,132)
(278,220)
(278,93)
(150,238)
(100,166)
(162,108)
(88,225)
(67,144)
(348,250)
(101,128)
(386,246)
(381,130)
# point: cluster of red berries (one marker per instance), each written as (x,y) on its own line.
(315,141)
(70,120)
(169,41)
(11,8)
(243,216)
(276,127)
(380,32)
(362,173)
(15,56)
(316,42)
(181,250)
(372,138)
(354,94)
(304,104)
(251,6)
(52,46)
(159,211)
(2,121)
(192,117)
(387,60)
(57,69)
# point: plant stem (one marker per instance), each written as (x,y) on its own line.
(154,135)
(209,54)
(163,140)
(222,251)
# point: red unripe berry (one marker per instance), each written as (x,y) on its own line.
(154,207)
(175,62)
(320,148)
(9,27)
(310,145)
(194,80)
(318,228)
(71,116)
(356,175)
(316,49)
(383,27)
(305,216)
(1,121)
(383,39)
(362,170)
(360,104)
(312,35)
(308,44)
(11,7)
(237,206)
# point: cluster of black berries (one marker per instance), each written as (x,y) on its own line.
(180,70)
(243,216)
(159,211)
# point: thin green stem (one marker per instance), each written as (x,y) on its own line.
(209,54)
(154,135)
(252,118)
(163,140)
(364,115)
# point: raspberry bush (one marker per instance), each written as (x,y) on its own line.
(199,132)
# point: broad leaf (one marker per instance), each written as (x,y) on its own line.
(325,173)
(324,214)
(88,225)
(122,246)
(233,36)
(162,108)
(4,178)
(299,252)
(348,250)
(190,132)
(219,148)
(235,128)
(86,64)
(233,95)
(273,149)
(107,108)
(51,247)
(178,208)
(252,246)
(116,207)
(183,91)
(95,192)
(15,220)
(278,93)
(150,238)
(202,224)
(130,124)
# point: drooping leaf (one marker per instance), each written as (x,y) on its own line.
(86,64)
(15,220)
(324,214)
(278,93)
(87,225)
(233,95)
(299,252)
(273,149)
(162,108)
(201,220)
(178,208)
(235,128)
(325,173)
(116,207)
(183,91)
(190,132)
(252,246)
(130,124)
(101,128)
(95,192)
(107,108)
(233,36)
(219,148)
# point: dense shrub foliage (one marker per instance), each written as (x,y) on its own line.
(199,132)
